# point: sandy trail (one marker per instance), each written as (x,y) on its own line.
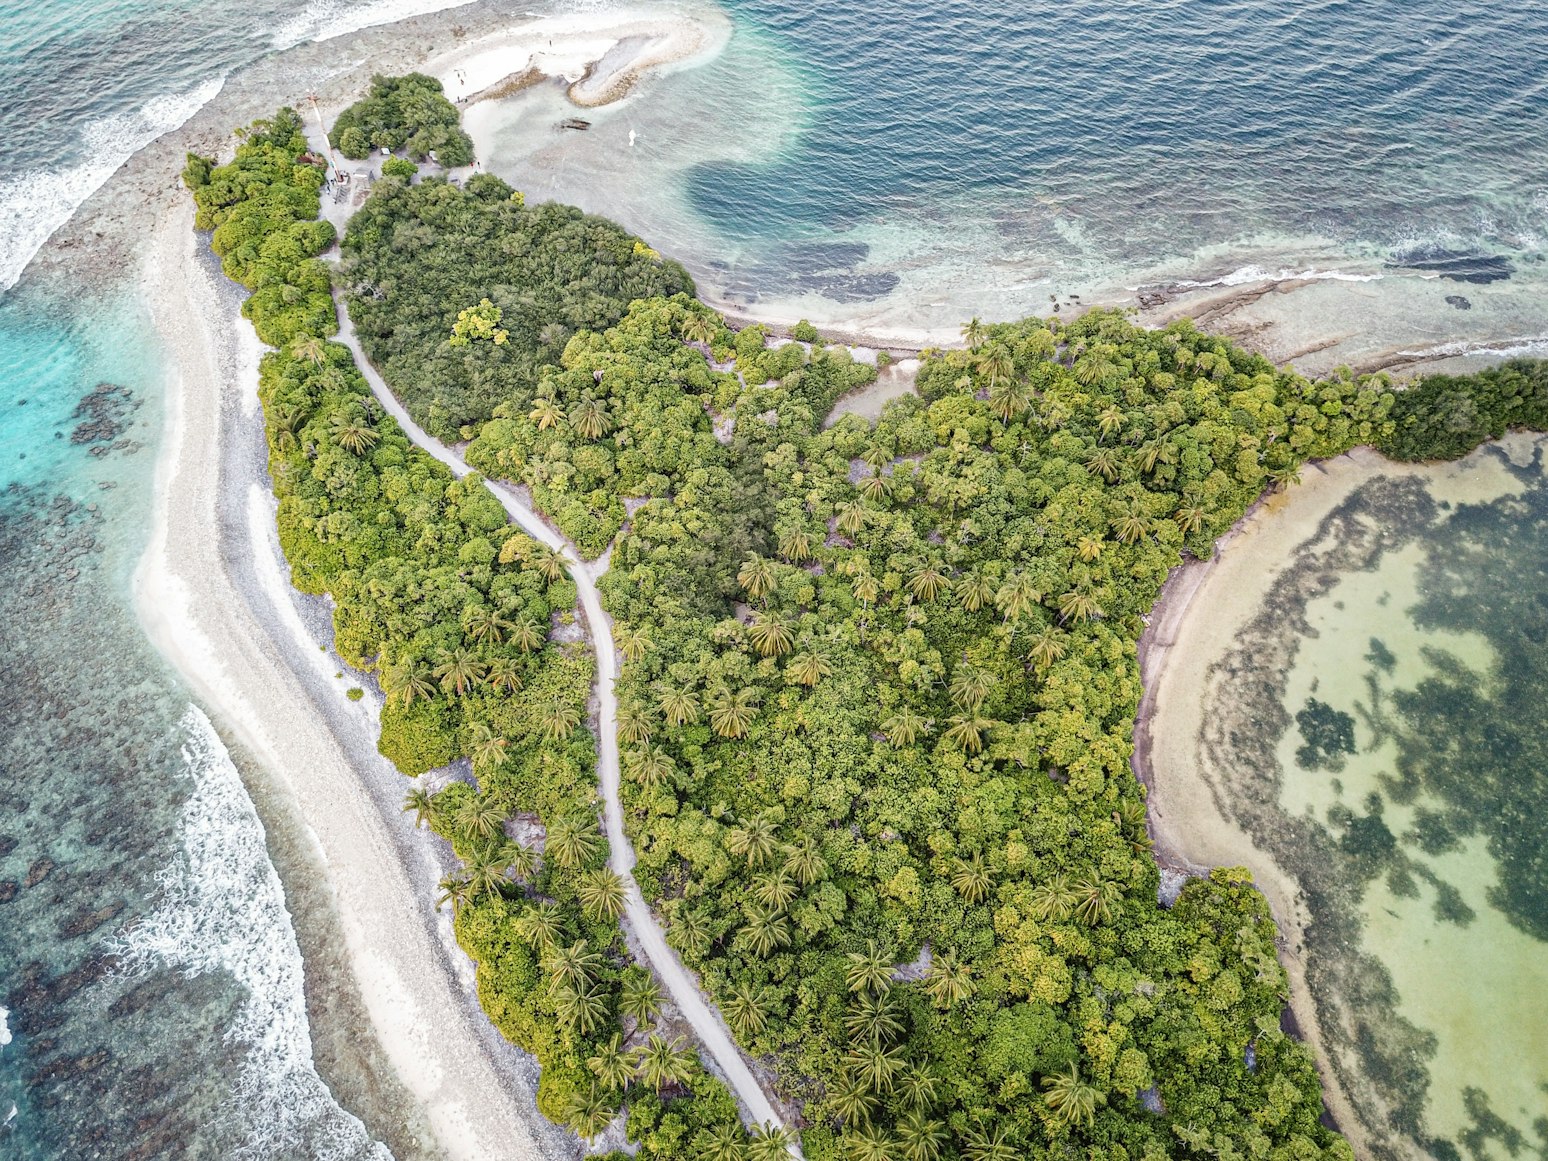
(645,935)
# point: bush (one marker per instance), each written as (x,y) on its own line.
(409,113)
(399,167)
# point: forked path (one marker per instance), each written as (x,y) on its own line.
(680,985)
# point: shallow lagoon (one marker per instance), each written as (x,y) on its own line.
(1377,728)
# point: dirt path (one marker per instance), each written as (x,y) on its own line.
(640,926)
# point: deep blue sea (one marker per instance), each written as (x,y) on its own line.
(150,990)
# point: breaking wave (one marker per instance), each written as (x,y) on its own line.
(222,909)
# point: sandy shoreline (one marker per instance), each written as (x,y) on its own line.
(213,596)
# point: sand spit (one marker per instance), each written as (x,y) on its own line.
(213,594)
(601,55)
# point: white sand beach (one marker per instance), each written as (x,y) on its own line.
(214,596)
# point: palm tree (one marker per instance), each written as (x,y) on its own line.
(571,842)
(581,1010)
(922,1139)
(650,766)
(613,1064)
(1189,519)
(589,418)
(769,1143)
(634,643)
(747,1010)
(558,718)
(548,563)
(1092,368)
(1110,420)
(521,860)
(546,414)
(755,839)
(808,668)
(418,800)
(309,348)
(990,1146)
(766,930)
(971,687)
(973,592)
(640,997)
(851,1100)
(353,434)
(1046,648)
(1073,1101)
(541,927)
(601,894)
(865,587)
(480,817)
(572,966)
(633,723)
(995,363)
(966,731)
(948,981)
(1095,900)
(504,674)
(455,890)
(770,634)
(1104,462)
(1132,525)
(974,333)
(679,706)
(528,636)
(732,714)
(869,1143)
(774,889)
(699,328)
(1089,548)
(905,727)
(871,968)
(796,547)
(804,861)
(757,577)
(875,487)
(690,931)
(483,623)
(916,1086)
(851,516)
(1078,605)
(926,581)
(1052,900)
(662,1064)
(725,1142)
(404,684)
(1018,596)
(458,669)
(874,1016)
(486,872)
(588,1111)
(1008,398)
(874,1065)
(487,749)
(971,878)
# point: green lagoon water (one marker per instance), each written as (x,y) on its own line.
(1393,753)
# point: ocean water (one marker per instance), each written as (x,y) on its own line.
(916,164)
(154,998)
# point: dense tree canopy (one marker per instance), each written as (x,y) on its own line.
(416,257)
(407,113)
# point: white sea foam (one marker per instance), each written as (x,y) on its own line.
(1247,275)
(5,1028)
(1536,345)
(222,909)
(332,18)
(36,203)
